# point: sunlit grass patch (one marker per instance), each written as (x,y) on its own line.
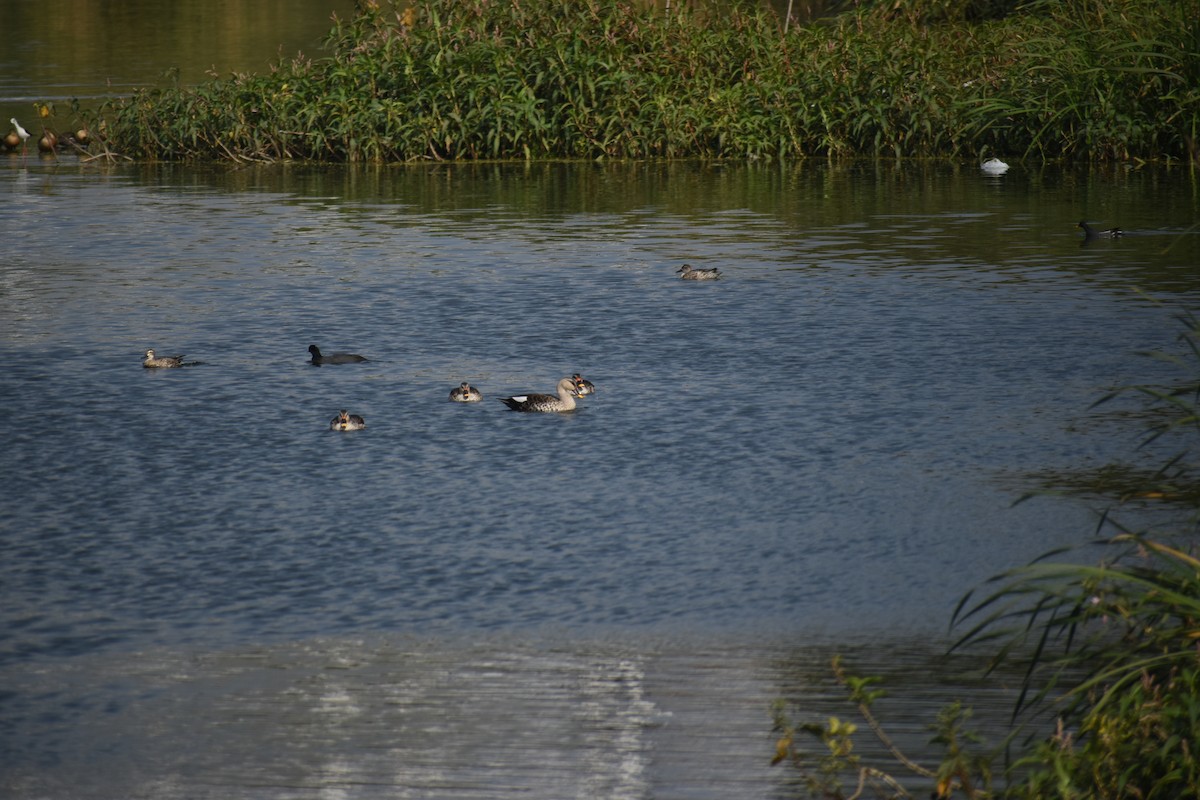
(627,80)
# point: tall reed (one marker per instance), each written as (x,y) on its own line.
(536,79)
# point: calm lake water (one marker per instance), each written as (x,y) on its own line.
(205,593)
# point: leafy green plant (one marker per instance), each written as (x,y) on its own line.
(542,79)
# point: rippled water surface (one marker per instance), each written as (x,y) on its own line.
(207,593)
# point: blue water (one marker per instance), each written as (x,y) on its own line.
(826,443)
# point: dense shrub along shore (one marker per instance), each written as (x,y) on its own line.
(583,79)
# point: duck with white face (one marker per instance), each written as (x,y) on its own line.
(161,362)
(346,421)
(564,401)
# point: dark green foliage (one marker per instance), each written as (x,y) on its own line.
(537,79)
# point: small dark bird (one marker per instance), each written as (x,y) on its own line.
(333,358)
(1091,233)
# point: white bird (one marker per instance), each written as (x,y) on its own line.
(21,133)
(994,166)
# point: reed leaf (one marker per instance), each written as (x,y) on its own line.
(618,79)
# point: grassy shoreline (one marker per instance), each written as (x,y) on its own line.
(552,79)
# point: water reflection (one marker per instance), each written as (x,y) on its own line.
(928,216)
(409,717)
(59,50)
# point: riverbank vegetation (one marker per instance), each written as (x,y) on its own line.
(1108,639)
(565,79)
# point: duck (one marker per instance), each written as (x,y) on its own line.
(346,421)
(333,358)
(1091,233)
(465,393)
(49,141)
(994,166)
(583,387)
(153,361)
(689,273)
(565,401)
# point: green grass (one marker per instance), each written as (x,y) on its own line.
(559,79)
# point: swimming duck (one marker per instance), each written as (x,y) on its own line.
(333,358)
(161,361)
(1091,233)
(347,422)
(994,166)
(582,387)
(465,393)
(544,402)
(689,273)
